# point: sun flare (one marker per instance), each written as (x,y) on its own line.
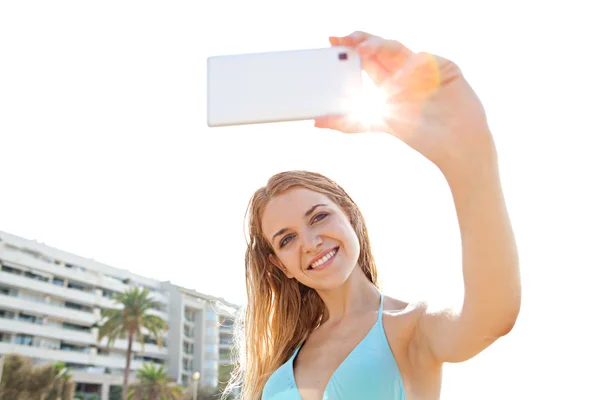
(370,108)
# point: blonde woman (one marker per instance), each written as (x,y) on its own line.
(317,325)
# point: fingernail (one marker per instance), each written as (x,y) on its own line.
(334,40)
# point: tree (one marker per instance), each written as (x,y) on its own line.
(21,380)
(155,384)
(62,386)
(128,321)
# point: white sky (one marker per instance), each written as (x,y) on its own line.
(105,153)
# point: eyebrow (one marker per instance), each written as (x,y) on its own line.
(306,214)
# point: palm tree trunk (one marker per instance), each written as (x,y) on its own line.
(127,364)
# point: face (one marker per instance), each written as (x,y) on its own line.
(312,237)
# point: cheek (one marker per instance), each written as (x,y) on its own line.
(289,258)
(348,235)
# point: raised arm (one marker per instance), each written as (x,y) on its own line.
(492,291)
(433,109)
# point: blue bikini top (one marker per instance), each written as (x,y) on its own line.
(368,372)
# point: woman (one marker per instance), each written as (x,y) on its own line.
(316,325)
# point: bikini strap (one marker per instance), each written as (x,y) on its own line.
(380,312)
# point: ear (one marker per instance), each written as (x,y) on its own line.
(275,261)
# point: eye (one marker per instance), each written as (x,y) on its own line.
(319,217)
(285,240)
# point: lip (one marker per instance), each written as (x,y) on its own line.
(321,254)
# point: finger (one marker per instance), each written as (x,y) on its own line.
(377,72)
(352,124)
(390,54)
(340,123)
(352,40)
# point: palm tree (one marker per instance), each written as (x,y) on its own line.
(155,384)
(63,386)
(127,322)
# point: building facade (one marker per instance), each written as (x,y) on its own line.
(51,299)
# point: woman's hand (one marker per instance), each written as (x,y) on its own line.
(431,107)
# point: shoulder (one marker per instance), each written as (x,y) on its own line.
(400,309)
(401,317)
(402,321)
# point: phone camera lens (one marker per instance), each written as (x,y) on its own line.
(343,56)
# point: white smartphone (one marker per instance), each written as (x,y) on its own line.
(282,86)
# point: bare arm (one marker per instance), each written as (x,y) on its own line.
(491,275)
(433,109)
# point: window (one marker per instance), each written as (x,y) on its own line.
(224,354)
(76,286)
(188,348)
(189,315)
(188,365)
(37,277)
(75,327)
(189,332)
(211,348)
(24,340)
(72,306)
(27,318)
(211,316)
(11,270)
(58,282)
(72,347)
(75,306)
(226,339)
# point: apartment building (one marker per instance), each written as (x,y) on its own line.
(50,300)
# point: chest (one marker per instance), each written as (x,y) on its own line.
(330,353)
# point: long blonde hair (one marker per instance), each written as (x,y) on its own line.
(282,312)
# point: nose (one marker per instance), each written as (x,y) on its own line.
(311,242)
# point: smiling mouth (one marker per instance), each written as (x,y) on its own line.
(321,262)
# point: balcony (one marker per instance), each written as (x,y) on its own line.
(50,332)
(73,295)
(8,302)
(149,349)
(87,277)
(67,356)
(18,257)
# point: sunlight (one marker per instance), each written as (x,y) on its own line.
(371,107)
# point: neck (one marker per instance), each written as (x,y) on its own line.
(356,295)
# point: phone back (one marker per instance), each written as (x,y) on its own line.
(281,86)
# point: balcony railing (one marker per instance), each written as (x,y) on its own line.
(17,303)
